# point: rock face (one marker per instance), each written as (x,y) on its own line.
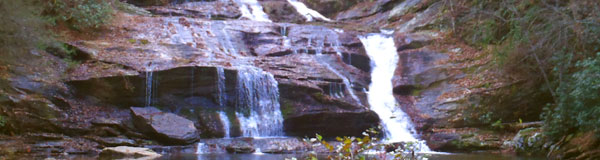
(128,152)
(167,128)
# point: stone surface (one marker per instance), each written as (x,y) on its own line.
(240,147)
(113,141)
(127,152)
(167,128)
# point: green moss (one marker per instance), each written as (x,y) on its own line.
(416,92)
(287,107)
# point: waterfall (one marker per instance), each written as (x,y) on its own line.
(397,125)
(258,104)
(308,13)
(286,41)
(229,48)
(226,125)
(150,84)
(252,10)
(221,96)
(221,99)
(149,75)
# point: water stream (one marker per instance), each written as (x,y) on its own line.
(308,13)
(257,104)
(396,124)
(226,123)
(252,10)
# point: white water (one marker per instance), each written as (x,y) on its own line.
(149,88)
(397,125)
(252,10)
(201,148)
(308,13)
(150,84)
(257,101)
(221,86)
(226,125)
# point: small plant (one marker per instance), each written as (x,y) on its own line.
(355,148)
(2,121)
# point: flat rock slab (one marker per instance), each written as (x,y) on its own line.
(128,152)
(167,128)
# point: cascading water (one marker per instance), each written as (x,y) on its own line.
(221,96)
(252,10)
(150,84)
(258,104)
(397,125)
(347,84)
(308,13)
(225,122)
(149,78)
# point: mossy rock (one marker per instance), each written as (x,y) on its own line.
(529,141)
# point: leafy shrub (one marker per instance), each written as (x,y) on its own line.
(79,14)
(578,105)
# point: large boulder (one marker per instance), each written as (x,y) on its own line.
(306,111)
(125,152)
(240,147)
(167,128)
(529,141)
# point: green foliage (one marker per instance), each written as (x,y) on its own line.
(549,47)
(354,148)
(578,104)
(79,14)
(2,121)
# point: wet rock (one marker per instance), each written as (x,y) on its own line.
(167,128)
(240,147)
(465,139)
(108,122)
(528,141)
(128,152)
(113,141)
(210,125)
(70,146)
(330,124)
(45,136)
